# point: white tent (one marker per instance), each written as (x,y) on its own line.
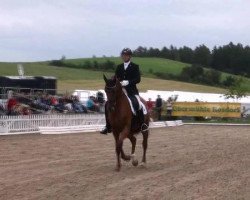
(192,96)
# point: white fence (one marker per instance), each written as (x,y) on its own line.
(31,123)
(57,124)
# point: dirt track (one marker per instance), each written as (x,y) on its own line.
(188,162)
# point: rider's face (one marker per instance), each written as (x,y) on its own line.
(125,57)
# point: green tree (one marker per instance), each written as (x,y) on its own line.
(186,54)
(212,77)
(202,55)
(236,91)
(195,73)
(229,81)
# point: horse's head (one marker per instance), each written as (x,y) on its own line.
(113,90)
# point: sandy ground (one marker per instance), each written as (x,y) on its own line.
(188,162)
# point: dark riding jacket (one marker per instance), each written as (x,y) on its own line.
(132,74)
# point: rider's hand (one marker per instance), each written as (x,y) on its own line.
(124,83)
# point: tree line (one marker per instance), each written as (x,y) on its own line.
(231,58)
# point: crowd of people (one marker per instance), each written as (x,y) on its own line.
(157,107)
(26,104)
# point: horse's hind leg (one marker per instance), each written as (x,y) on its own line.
(145,146)
(132,139)
(118,147)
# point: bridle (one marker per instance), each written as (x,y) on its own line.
(111,103)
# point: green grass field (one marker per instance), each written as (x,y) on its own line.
(155,64)
(70,79)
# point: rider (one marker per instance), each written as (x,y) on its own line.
(129,75)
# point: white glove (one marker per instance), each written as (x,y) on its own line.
(124,83)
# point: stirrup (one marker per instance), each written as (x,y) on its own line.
(144,127)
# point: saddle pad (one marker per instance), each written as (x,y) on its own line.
(133,102)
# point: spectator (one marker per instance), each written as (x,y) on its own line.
(2,110)
(158,106)
(77,106)
(150,105)
(60,106)
(38,103)
(169,108)
(100,101)
(91,104)
(12,102)
(100,97)
(53,101)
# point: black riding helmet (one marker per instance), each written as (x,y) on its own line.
(126,51)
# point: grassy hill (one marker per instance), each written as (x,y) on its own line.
(146,64)
(70,78)
(149,65)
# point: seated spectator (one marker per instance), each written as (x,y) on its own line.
(11,103)
(69,107)
(2,110)
(77,106)
(61,105)
(100,101)
(100,97)
(91,105)
(38,103)
(53,101)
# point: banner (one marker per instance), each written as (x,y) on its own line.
(203,109)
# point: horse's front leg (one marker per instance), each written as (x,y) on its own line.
(118,152)
(119,145)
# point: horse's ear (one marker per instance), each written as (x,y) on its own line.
(105,78)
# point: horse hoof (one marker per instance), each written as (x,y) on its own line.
(127,158)
(135,162)
(142,164)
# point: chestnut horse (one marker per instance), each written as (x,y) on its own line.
(124,124)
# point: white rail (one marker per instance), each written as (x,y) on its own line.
(57,124)
(31,123)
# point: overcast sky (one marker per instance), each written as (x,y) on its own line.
(47,29)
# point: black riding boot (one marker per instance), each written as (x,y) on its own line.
(144,126)
(107,129)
